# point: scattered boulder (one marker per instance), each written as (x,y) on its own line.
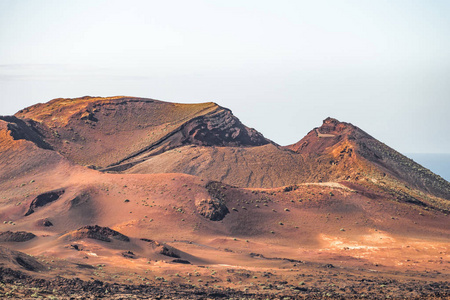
(76,247)
(85,266)
(169,251)
(18,236)
(181,261)
(44,199)
(44,222)
(129,254)
(97,233)
(149,241)
(152,243)
(163,248)
(88,116)
(47,223)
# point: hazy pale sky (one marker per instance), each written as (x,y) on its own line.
(281,66)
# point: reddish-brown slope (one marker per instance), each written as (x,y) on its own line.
(342,151)
(136,135)
(19,155)
(263,166)
(324,223)
(106,132)
(27,170)
(263,237)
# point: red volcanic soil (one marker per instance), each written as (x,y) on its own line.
(342,151)
(105,132)
(349,223)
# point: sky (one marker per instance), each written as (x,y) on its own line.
(281,66)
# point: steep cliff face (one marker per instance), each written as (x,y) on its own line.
(221,128)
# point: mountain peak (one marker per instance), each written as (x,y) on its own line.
(139,135)
(330,120)
(334,126)
(342,151)
(106,131)
(331,131)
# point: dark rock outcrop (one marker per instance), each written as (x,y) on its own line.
(214,207)
(169,251)
(181,261)
(44,199)
(21,130)
(221,128)
(44,222)
(97,233)
(129,254)
(17,236)
(217,128)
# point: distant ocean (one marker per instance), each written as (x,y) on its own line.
(438,163)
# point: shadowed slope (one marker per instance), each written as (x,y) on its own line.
(263,166)
(15,259)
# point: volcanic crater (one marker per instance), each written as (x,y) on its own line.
(131,197)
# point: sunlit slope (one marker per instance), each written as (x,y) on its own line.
(101,132)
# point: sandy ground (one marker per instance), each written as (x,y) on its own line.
(317,240)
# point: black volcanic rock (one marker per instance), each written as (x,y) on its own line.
(221,128)
(214,207)
(25,130)
(97,233)
(44,222)
(169,251)
(17,236)
(44,199)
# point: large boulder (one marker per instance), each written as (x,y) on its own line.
(212,208)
